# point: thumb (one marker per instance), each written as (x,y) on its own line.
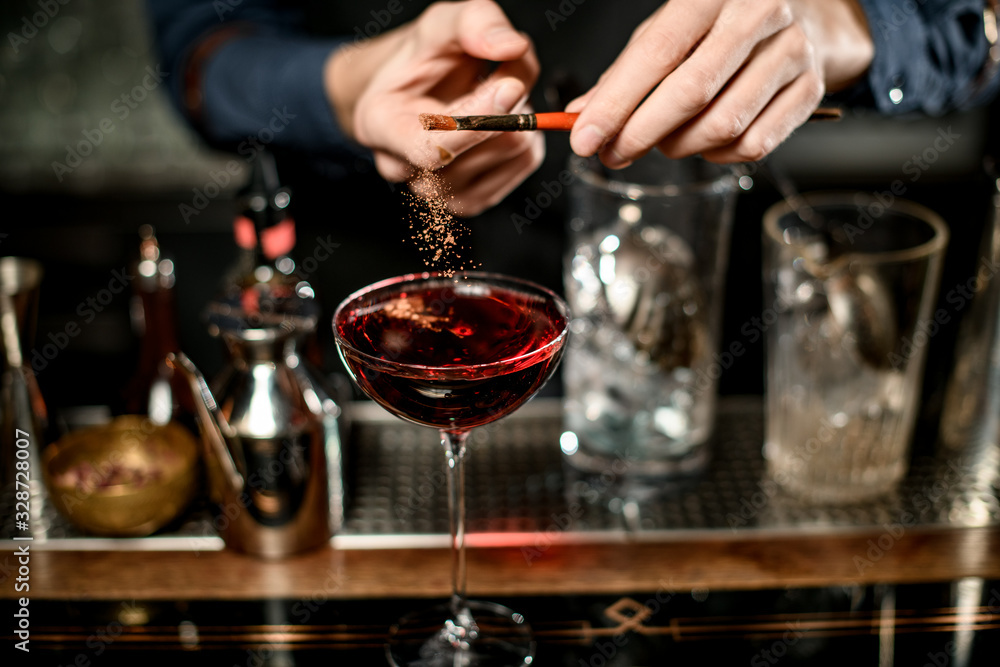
(485,32)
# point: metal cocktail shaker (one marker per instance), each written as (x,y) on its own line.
(273,435)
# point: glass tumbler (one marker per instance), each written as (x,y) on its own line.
(850,285)
(644,277)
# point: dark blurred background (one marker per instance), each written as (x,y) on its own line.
(83,77)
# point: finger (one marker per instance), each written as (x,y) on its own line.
(448,51)
(391,168)
(393,127)
(645,62)
(477,27)
(577,105)
(776,63)
(580,102)
(484,31)
(697,81)
(436,149)
(489,155)
(525,70)
(493,185)
(788,110)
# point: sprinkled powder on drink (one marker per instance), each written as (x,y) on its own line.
(435,230)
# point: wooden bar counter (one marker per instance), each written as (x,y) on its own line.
(724,567)
(558,569)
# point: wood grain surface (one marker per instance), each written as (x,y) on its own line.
(328,573)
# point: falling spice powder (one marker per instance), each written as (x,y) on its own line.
(436,231)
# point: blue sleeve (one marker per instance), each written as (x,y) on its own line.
(928,55)
(265,84)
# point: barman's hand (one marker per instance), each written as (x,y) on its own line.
(729,79)
(438,64)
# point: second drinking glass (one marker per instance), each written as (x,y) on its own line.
(850,288)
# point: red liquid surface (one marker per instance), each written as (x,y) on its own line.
(451,355)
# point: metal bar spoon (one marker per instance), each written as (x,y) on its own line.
(860,302)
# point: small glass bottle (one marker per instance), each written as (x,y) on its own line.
(153,389)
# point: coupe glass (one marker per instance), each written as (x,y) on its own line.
(453,353)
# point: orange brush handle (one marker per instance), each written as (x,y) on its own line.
(555,120)
(560,120)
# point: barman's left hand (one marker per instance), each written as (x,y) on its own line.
(438,64)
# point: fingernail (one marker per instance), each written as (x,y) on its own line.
(588,140)
(503,37)
(445,155)
(506,96)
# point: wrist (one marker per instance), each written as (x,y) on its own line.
(841,36)
(349,69)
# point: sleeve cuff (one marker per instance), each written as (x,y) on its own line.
(926,56)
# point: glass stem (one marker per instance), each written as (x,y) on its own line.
(454,449)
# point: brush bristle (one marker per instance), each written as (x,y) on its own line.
(432,121)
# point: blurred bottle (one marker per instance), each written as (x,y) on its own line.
(970,417)
(153,388)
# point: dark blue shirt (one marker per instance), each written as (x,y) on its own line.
(273,70)
(930,58)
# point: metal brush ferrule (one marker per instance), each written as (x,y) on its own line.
(500,123)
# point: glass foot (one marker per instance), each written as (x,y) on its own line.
(483,634)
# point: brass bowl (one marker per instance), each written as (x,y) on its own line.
(127,478)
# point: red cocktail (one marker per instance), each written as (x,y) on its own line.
(454,353)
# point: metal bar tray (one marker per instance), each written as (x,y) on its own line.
(519,488)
